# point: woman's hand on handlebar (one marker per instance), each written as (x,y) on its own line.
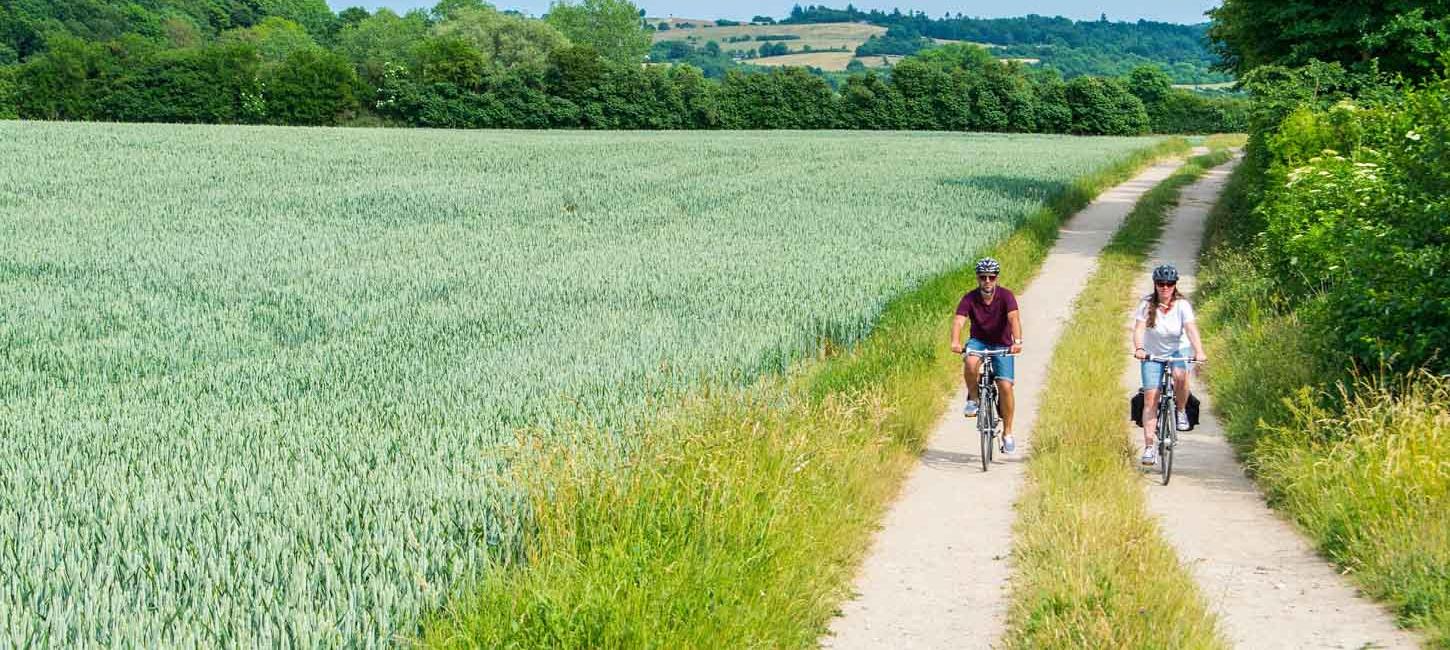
(958,348)
(1140,354)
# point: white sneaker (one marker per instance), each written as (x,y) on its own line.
(970,410)
(1150,455)
(1183,421)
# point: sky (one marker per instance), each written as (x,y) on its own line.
(1172,11)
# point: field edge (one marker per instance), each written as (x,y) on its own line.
(743,514)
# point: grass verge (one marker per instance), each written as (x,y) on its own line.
(1364,472)
(740,517)
(1092,568)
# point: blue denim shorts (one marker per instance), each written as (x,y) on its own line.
(1152,371)
(1003,366)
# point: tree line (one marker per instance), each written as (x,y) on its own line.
(464,64)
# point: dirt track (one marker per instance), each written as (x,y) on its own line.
(1262,579)
(936,575)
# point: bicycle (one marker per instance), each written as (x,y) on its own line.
(988,419)
(1167,427)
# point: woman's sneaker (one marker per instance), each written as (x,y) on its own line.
(1009,444)
(1183,421)
(970,410)
(1150,455)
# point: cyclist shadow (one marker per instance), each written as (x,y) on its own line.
(952,460)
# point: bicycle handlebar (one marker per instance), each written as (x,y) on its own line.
(1158,359)
(990,353)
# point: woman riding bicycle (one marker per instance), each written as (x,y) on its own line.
(1164,326)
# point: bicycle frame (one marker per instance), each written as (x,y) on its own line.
(1166,427)
(987,417)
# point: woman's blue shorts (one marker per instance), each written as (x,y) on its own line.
(1152,371)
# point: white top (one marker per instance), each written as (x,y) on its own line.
(1168,334)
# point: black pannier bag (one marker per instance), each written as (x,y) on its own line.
(1135,409)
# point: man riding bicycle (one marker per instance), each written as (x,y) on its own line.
(995,326)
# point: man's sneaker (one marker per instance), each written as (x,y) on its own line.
(1183,421)
(1150,455)
(1009,444)
(970,410)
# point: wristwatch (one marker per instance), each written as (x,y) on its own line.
(1017,341)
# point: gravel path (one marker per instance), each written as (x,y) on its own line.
(1263,580)
(937,572)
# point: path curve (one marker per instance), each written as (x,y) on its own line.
(1262,579)
(937,572)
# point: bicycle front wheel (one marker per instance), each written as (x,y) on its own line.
(1165,446)
(986,427)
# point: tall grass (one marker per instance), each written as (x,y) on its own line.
(1092,569)
(1362,465)
(742,517)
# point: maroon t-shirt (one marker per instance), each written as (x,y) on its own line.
(989,322)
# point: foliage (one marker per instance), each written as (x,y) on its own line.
(383,38)
(1105,106)
(1172,110)
(275,39)
(612,28)
(313,382)
(898,39)
(8,100)
(468,65)
(311,88)
(1398,36)
(505,41)
(1356,214)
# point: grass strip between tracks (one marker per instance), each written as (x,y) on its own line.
(742,514)
(1092,570)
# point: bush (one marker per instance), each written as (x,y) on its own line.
(1356,212)
(312,88)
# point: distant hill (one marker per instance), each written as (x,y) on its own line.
(1074,48)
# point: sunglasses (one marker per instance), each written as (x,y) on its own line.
(1165,284)
(986,277)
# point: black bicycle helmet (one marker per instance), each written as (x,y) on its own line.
(1165,273)
(988,266)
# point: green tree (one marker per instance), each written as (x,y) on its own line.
(612,28)
(697,97)
(312,87)
(1054,115)
(380,39)
(1093,110)
(1250,33)
(218,83)
(313,15)
(65,81)
(869,103)
(275,38)
(504,40)
(451,60)
(1153,87)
